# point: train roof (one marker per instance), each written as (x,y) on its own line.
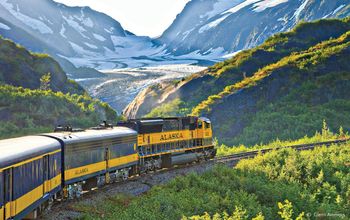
(16,150)
(93,134)
(207,120)
(162,118)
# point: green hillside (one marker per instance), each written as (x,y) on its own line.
(282,89)
(20,67)
(26,111)
(31,104)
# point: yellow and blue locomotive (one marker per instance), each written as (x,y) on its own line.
(165,142)
(35,170)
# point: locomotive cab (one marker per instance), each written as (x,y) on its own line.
(204,131)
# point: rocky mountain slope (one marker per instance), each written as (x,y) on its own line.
(226,26)
(281,89)
(25,108)
(79,34)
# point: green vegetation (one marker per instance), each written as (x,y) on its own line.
(20,67)
(169,109)
(239,69)
(24,111)
(283,184)
(281,89)
(36,95)
(323,136)
(45,81)
(304,60)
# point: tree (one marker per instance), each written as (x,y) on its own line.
(286,210)
(325,130)
(45,81)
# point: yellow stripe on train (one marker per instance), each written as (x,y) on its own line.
(173,136)
(15,207)
(1,212)
(26,200)
(9,211)
(100,166)
(123,160)
(164,137)
(53,183)
(84,170)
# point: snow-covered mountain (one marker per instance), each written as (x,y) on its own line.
(204,30)
(226,26)
(78,34)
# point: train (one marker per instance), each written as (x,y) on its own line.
(40,169)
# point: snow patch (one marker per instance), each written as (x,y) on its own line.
(213,24)
(82,52)
(240,6)
(4,26)
(99,37)
(261,6)
(108,31)
(230,55)
(74,24)
(29,21)
(88,22)
(299,10)
(186,33)
(62,31)
(338,9)
(91,46)
(221,6)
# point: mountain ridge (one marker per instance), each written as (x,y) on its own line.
(221,79)
(73,35)
(28,107)
(230,26)
(204,32)
(22,68)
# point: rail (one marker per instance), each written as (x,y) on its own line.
(249,154)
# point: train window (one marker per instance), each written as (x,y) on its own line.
(124,149)
(140,149)
(52,169)
(207,125)
(1,189)
(8,185)
(200,125)
(27,177)
(171,125)
(78,159)
(114,151)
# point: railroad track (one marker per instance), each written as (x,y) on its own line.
(250,154)
(145,181)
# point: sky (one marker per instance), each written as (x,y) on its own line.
(142,17)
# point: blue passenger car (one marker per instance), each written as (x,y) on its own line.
(30,174)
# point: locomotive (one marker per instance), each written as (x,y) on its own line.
(36,170)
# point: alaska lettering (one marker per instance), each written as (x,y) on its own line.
(84,170)
(166,137)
